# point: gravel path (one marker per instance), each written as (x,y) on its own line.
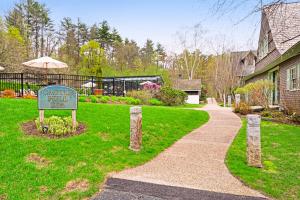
(197,160)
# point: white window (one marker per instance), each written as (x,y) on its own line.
(293,78)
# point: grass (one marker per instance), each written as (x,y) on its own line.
(280,176)
(90,156)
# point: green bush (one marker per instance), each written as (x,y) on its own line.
(104,99)
(155,102)
(171,97)
(132,101)
(115,99)
(82,98)
(93,99)
(57,125)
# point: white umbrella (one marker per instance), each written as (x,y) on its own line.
(1,68)
(46,63)
(146,82)
(89,85)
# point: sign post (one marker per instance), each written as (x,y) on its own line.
(57,97)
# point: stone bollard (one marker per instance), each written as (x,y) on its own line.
(253,141)
(224,97)
(135,128)
(237,100)
(229,101)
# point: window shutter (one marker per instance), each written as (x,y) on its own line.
(288,79)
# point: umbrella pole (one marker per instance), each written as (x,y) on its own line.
(46,73)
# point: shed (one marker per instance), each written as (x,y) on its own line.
(191,87)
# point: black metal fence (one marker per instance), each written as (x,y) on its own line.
(23,83)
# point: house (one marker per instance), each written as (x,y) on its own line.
(191,87)
(278,56)
(243,62)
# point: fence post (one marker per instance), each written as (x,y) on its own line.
(22,84)
(92,84)
(135,128)
(59,79)
(113,86)
(253,141)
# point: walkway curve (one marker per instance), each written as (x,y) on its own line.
(197,160)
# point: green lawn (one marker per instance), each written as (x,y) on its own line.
(280,177)
(90,156)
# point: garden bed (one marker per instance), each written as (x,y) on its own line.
(30,128)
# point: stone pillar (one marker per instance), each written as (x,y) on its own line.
(229,101)
(135,128)
(224,97)
(237,100)
(253,141)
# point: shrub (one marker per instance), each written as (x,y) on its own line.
(93,99)
(170,96)
(104,99)
(143,95)
(244,108)
(57,125)
(257,92)
(155,102)
(9,94)
(82,99)
(132,101)
(266,113)
(115,99)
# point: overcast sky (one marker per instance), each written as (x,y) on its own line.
(160,20)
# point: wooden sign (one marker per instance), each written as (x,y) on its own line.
(57,97)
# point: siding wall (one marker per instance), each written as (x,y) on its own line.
(273,53)
(289,100)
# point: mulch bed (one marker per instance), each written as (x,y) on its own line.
(276,120)
(29,128)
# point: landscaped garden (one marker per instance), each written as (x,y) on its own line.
(33,167)
(280,175)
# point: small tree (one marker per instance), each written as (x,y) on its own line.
(93,58)
(258,92)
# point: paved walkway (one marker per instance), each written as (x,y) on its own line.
(193,165)
(197,160)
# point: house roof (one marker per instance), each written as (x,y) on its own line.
(290,53)
(284,22)
(188,85)
(241,69)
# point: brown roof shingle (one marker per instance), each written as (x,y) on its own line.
(284,22)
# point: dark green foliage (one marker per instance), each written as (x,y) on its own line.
(171,97)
